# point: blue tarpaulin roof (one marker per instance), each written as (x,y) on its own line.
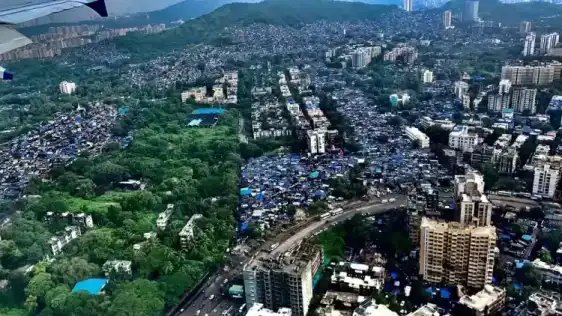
(520,263)
(244,226)
(445,294)
(92,286)
(314,174)
(393,275)
(245,191)
(123,110)
(526,237)
(208,111)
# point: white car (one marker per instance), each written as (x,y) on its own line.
(211,297)
(198,312)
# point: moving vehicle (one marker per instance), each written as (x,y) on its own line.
(384,201)
(336,211)
(275,245)
(325,215)
(392,200)
(11,39)
(198,312)
(211,297)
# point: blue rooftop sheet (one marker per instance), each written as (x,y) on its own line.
(92,286)
(208,111)
(526,237)
(445,293)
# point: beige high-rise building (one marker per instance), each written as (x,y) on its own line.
(454,253)
(528,75)
(473,206)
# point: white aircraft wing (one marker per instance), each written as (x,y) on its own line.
(32,10)
(11,39)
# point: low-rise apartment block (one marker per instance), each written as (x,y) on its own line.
(117,266)
(164,217)
(488,301)
(63,238)
(188,231)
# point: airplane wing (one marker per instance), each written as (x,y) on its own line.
(11,39)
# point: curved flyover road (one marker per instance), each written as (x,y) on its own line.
(286,240)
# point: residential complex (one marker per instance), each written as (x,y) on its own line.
(470,13)
(417,136)
(456,254)
(447,19)
(408,5)
(529,44)
(525,27)
(162,220)
(473,207)
(523,100)
(551,273)
(462,139)
(528,75)
(545,180)
(489,301)
(187,232)
(548,42)
(258,309)
(66,87)
(284,281)
(64,238)
(427,76)
(316,140)
(407,53)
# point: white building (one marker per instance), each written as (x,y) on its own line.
(67,87)
(486,302)
(371,308)
(187,232)
(118,266)
(426,310)
(466,101)
(545,180)
(498,102)
(549,272)
(461,88)
(416,135)
(447,19)
(162,220)
(316,141)
(427,76)
(408,5)
(529,46)
(360,58)
(460,138)
(548,41)
(258,310)
(504,86)
(64,238)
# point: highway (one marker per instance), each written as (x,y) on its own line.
(201,301)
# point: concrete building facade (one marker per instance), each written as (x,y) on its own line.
(456,254)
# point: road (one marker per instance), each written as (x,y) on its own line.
(516,202)
(215,307)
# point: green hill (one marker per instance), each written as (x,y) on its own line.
(278,12)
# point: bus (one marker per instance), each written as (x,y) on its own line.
(325,215)
(336,211)
(504,193)
(242,308)
(275,245)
